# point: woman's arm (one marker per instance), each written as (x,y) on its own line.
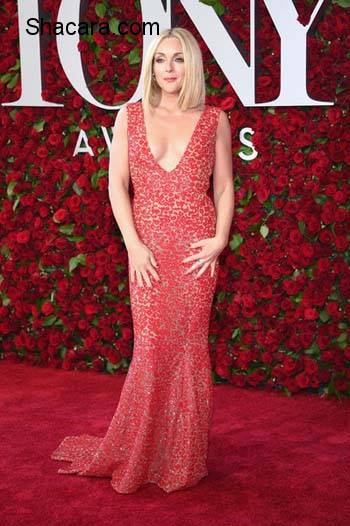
(141,259)
(118,180)
(223,200)
(223,180)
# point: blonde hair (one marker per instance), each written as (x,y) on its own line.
(192,93)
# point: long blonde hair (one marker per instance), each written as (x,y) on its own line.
(192,93)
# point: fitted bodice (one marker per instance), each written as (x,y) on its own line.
(191,175)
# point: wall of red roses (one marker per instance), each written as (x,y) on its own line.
(280,318)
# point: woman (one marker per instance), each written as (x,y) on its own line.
(168,145)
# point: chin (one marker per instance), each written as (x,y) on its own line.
(171,89)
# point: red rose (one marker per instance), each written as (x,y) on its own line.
(42,151)
(310,365)
(263,194)
(341,243)
(216,81)
(302,380)
(310,314)
(90,309)
(23,237)
(227,103)
(60,215)
(47,308)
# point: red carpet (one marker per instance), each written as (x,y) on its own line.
(273,460)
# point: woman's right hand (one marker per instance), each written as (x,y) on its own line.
(142,262)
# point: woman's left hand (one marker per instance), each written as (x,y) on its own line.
(211,248)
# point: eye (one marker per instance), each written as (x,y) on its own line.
(177,59)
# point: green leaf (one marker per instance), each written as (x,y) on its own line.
(66,229)
(340,89)
(219,8)
(100,75)
(75,239)
(297,298)
(313,350)
(134,56)
(310,272)
(100,10)
(342,3)
(342,337)
(338,167)
(236,332)
(5,250)
(221,296)
(130,38)
(268,205)
(62,352)
(324,316)
(13,81)
(110,367)
(77,188)
(39,126)
(334,296)
(245,200)
(73,128)
(80,259)
(5,300)
(306,149)
(301,225)
(113,26)
(16,66)
(96,176)
(264,230)
(6,78)
(49,320)
(236,241)
(112,297)
(320,199)
(247,150)
(287,391)
(10,188)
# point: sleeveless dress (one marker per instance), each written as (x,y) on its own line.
(159,432)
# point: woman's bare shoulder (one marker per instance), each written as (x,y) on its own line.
(121,117)
(216,109)
(223,122)
(123,111)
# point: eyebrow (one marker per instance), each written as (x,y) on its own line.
(160,53)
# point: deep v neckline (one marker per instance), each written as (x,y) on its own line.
(186,149)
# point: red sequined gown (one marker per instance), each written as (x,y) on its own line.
(159,432)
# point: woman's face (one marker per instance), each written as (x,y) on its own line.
(168,63)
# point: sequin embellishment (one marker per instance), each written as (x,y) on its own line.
(160,430)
